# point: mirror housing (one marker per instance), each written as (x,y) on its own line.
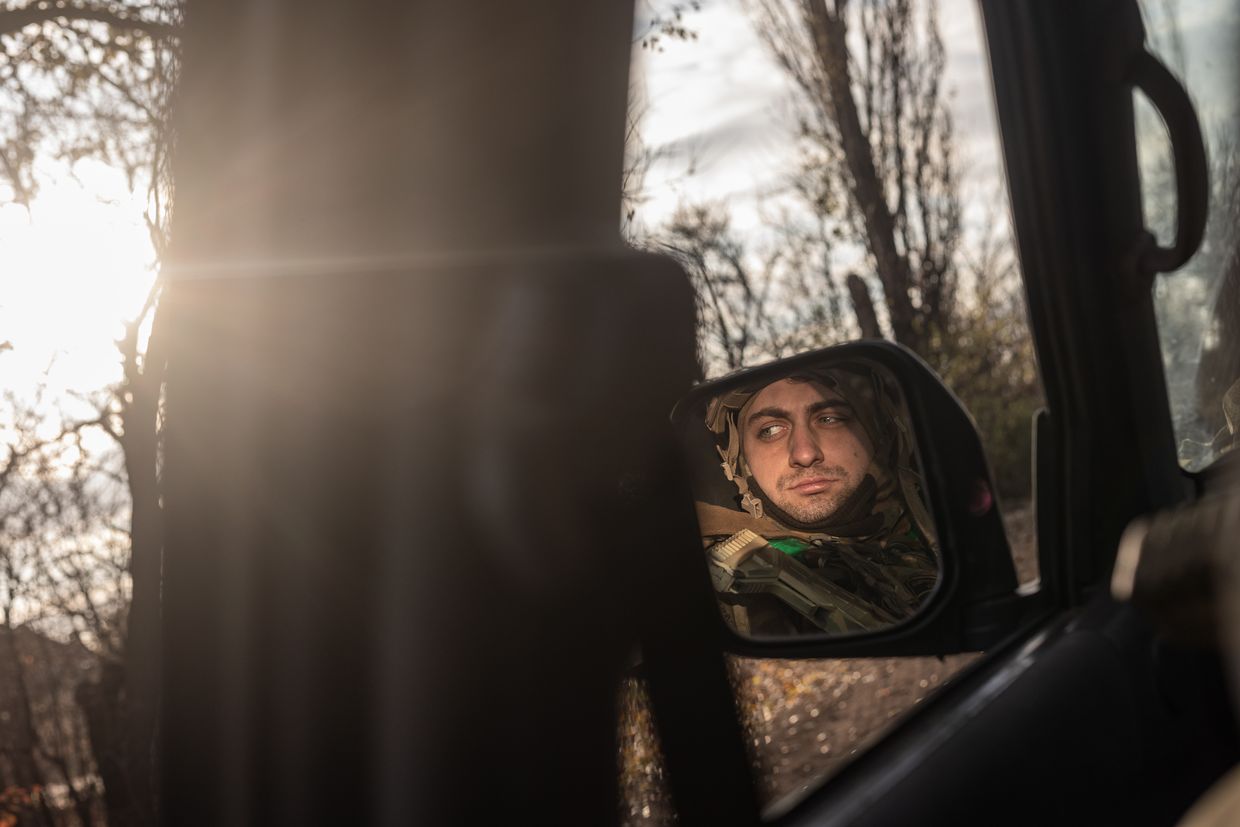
(976,602)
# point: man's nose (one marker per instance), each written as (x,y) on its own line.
(803,449)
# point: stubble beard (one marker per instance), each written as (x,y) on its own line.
(817,507)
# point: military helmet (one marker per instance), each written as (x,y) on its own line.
(879,409)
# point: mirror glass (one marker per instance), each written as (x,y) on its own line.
(810,498)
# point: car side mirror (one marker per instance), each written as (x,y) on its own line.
(846,508)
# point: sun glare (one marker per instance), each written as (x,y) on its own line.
(73,268)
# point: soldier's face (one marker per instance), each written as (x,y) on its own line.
(805,448)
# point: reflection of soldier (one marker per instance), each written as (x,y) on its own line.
(832,533)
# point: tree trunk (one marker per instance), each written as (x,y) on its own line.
(865,187)
(142,662)
(863,307)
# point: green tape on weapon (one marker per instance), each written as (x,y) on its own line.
(789,545)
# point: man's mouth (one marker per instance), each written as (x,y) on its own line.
(812,485)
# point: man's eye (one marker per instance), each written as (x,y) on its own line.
(831,419)
(770,431)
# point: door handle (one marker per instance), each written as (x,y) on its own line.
(1192,177)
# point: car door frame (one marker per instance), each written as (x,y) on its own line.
(1083,713)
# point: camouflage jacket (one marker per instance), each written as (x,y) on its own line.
(771,580)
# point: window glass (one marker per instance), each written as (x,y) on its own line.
(825,176)
(738,167)
(1197,306)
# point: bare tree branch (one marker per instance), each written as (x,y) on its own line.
(14,21)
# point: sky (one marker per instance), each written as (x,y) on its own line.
(76,265)
(721,104)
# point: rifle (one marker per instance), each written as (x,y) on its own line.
(746,564)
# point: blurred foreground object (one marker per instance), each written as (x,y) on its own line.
(1183,566)
(416,422)
(1182,569)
